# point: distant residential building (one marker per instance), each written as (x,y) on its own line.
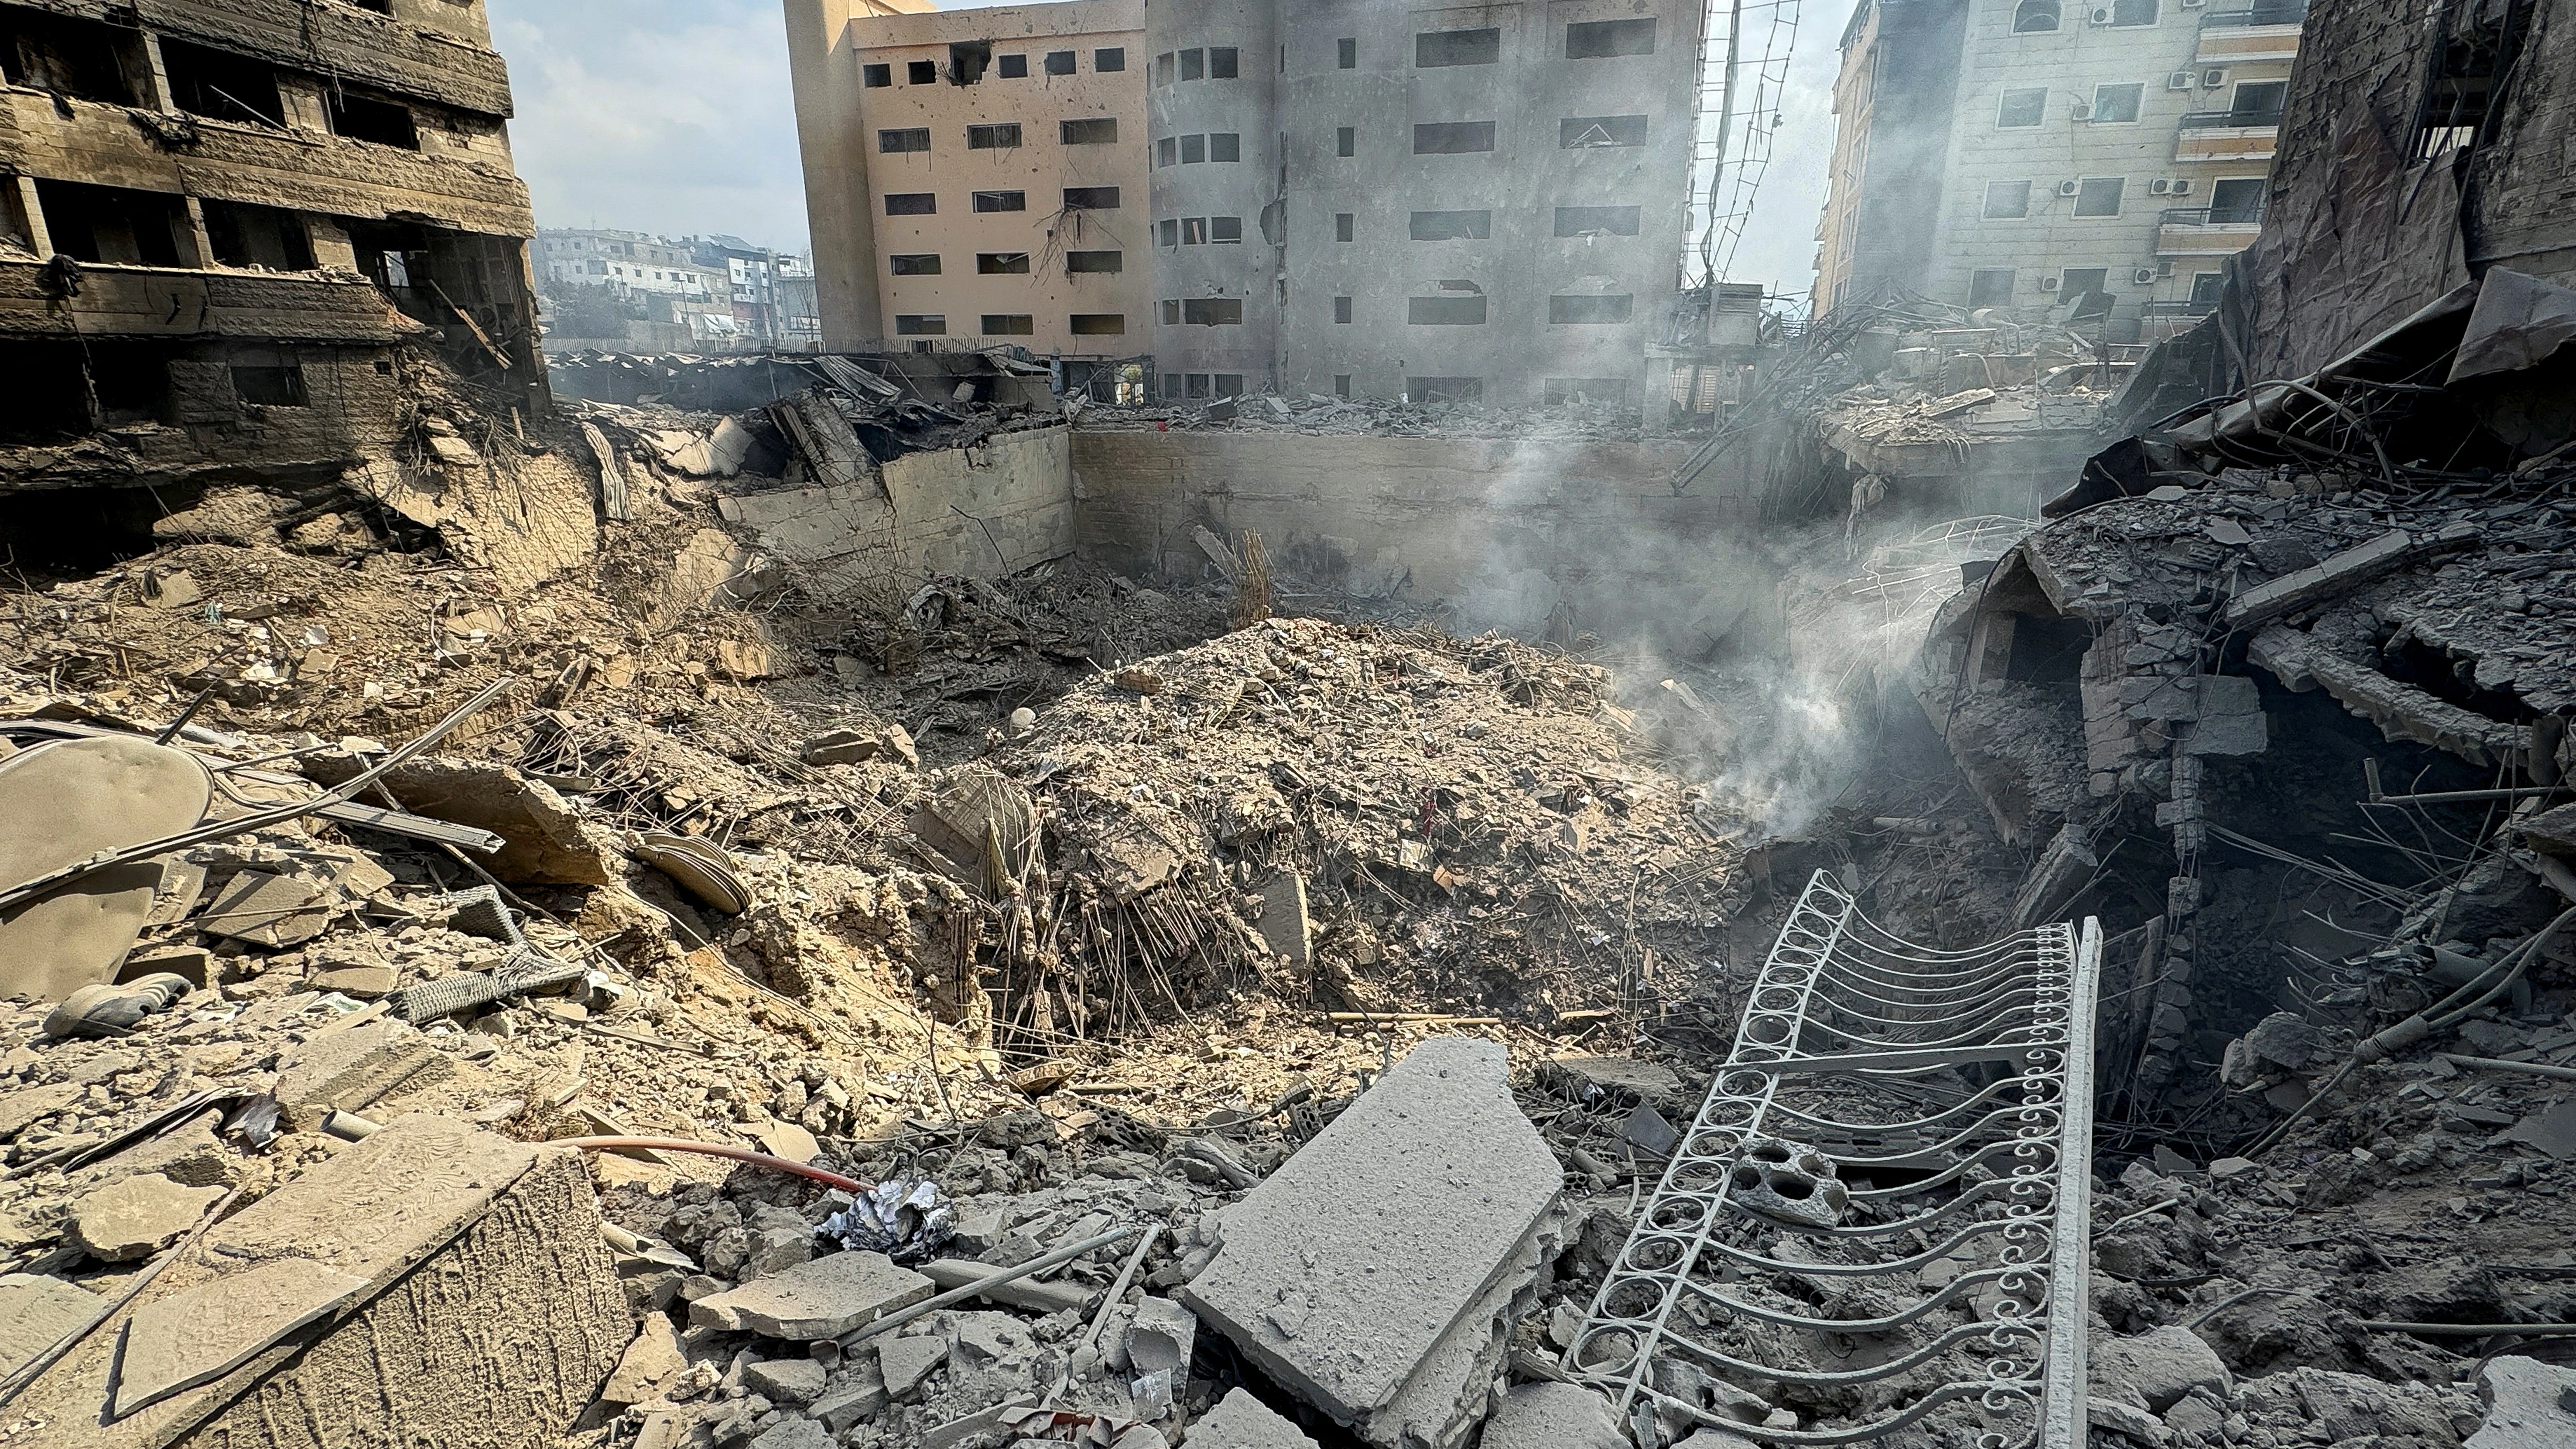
(1484,204)
(976,178)
(631,264)
(2030,154)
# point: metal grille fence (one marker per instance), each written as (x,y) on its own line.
(1879,1215)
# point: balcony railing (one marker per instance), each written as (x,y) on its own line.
(2224,120)
(2177,309)
(2265,12)
(2211,216)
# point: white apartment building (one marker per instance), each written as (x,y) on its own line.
(2089,161)
(631,264)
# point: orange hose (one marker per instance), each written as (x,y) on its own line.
(738,1154)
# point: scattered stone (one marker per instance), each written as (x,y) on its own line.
(1161,1337)
(1651,1082)
(831,1296)
(861,1396)
(360,983)
(137,1216)
(354,1068)
(2126,1419)
(794,1433)
(653,1363)
(904,1360)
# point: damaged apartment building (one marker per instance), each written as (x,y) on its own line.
(1480,205)
(221,225)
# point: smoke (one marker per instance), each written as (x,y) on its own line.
(1758,666)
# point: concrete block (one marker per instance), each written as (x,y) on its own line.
(651,1363)
(1552,1416)
(1161,1337)
(355,1068)
(37,1311)
(785,1380)
(2530,1405)
(1240,1421)
(1653,1083)
(1345,1275)
(904,1361)
(1285,924)
(857,1394)
(2231,718)
(825,1298)
(2155,1369)
(411,1213)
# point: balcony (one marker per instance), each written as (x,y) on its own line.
(199,302)
(2203,231)
(2266,30)
(261,165)
(2228,136)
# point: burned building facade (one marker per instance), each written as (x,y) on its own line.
(221,225)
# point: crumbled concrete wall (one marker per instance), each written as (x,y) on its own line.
(996,508)
(1507,528)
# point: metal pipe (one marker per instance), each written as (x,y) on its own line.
(2469,1330)
(2492,1064)
(981,1286)
(1118,1288)
(711,1149)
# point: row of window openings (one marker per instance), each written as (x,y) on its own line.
(1461,138)
(1000,136)
(1470,310)
(1993,286)
(84,60)
(2236,200)
(1191,150)
(1011,324)
(1584,40)
(1215,62)
(1571,221)
(2255,103)
(926,203)
(1004,264)
(966,62)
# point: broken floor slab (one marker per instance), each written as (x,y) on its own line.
(1359,1270)
(424,1204)
(825,1298)
(2530,1405)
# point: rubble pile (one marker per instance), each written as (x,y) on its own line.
(1399,417)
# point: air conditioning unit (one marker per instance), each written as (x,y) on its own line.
(2160,187)
(2069,188)
(2144,276)
(2214,77)
(2181,187)
(2048,284)
(2180,80)
(2193,4)
(2102,15)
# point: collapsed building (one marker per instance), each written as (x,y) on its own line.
(895,900)
(222,226)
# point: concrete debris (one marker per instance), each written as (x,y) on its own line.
(1240,1421)
(1552,1416)
(829,1297)
(1456,1187)
(137,1216)
(2529,1404)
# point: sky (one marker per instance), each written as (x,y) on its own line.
(675,116)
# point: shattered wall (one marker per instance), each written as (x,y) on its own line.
(1504,528)
(980,512)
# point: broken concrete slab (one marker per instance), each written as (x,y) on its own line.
(425,1203)
(137,1216)
(1552,1416)
(65,801)
(35,1313)
(830,1296)
(2231,720)
(205,1332)
(355,1068)
(862,1395)
(785,1380)
(546,841)
(1240,1421)
(259,908)
(2338,574)
(27,1106)
(2530,1405)
(1346,1272)
(904,1361)
(2156,1368)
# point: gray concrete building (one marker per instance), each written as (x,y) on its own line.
(1483,203)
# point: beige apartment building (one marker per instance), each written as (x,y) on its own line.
(978,177)
(2032,154)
